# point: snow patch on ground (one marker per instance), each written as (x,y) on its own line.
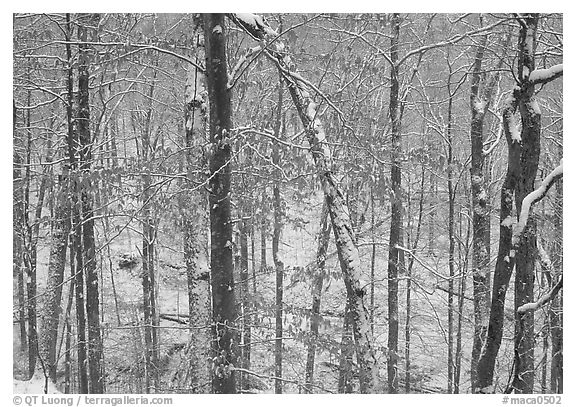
(35,385)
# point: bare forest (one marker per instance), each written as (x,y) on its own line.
(288,203)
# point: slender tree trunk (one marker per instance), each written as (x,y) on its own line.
(86,32)
(556,314)
(451,248)
(407,329)
(279,266)
(395,256)
(18,230)
(432,216)
(148,247)
(463,268)
(481,215)
(76,260)
(346,354)
(317,282)
(246,303)
(372,262)
(278,206)
(263,231)
(51,313)
(504,265)
(223,299)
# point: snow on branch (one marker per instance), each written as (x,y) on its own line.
(234,75)
(543,76)
(533,306)
(531,199)
(298,86)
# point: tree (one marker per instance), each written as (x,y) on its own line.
(519,252)
(343,233)
(86,32)
(195,119)
(317,282)
(395,255)
(221,262)
(481,93)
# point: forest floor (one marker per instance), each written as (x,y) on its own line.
(122,311)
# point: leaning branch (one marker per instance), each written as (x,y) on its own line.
(533,306)
(543,76)
(531,199)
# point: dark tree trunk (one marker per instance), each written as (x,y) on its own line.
(152,374)
(317,282)
(479,103)
(263,231)
(526,256)
(519,251)
(18,230)
(224,336)
(504,265)
(407,329)
(556,315)
(86,32)
(451,238)
(395,256)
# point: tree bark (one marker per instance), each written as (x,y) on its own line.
(479,103)
(317,282)
(395,256)
(246,303)
(195,116)
(556,314)
(224,336)
(279,266)
(519,251)
(51,313)
(526,256)
(346,369)
(18,230)
(86,32)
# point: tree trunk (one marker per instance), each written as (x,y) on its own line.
(407,330)
(18,230)
(526,256)
(195,115)
(346,369)
(246,303)
(263,231)
(481,213)
(51,313)
(86,32)
(451,238)
(224,342)
(556,315)
(317,282)
(395,256)
(279,266)
(152,378)
(523,158)
(504,265)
